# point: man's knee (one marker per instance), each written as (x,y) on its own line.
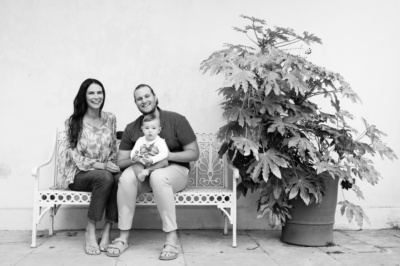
(127,178)
(158,177)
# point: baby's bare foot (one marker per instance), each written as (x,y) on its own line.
(143,175)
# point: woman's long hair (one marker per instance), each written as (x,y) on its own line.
(80,107)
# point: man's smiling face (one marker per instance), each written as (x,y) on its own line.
(145,100)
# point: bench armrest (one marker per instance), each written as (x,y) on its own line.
(234,170)
(36,169)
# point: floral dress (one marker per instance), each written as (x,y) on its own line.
(96,144)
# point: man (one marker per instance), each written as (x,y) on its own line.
(183,148)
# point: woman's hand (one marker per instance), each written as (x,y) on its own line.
(99,166)
(112,167)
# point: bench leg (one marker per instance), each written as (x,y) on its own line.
(232,217)
(225,224)
(34,228)
(34,225)
(51,228)
(234,244)
(234,222)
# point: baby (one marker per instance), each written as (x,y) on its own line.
(145,163)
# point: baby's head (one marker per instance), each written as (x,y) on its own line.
(151,126)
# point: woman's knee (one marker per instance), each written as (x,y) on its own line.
(106,177)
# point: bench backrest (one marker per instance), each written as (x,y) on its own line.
(208,171)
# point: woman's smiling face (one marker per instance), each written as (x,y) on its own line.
(94,96)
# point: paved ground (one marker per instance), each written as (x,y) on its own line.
(206,247)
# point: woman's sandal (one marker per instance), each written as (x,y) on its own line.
(115,247)
(174,253)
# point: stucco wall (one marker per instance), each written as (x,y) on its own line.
(47,48)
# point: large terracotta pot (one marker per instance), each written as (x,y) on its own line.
(312,225)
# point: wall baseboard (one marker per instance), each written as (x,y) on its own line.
(74,218)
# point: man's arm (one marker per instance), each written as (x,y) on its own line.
(125,148)
(190,153)
(124,159)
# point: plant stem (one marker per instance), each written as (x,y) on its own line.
(294,167)
(362,134)
(288,43)
(255,33)
(251,39)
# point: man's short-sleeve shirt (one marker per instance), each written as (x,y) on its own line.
(176,131)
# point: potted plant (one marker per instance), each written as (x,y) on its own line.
(281,136)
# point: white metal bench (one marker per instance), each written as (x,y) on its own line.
(208,186)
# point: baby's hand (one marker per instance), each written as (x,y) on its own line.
(135,159)
(148,161)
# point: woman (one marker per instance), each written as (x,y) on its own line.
(164,182)
(91,160)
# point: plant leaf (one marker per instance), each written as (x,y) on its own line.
(237,113)
(293,192)
(333,169)
(241,78)
(280,125)
(269,161)
(215,63)
(364,168)
(302,183)
(351,210)
(358,191)
(253,122)
(257,61)
(271,84)
(295,81)
(229,130)
(349,93)
(302,144)
(271,104)
(246,145)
